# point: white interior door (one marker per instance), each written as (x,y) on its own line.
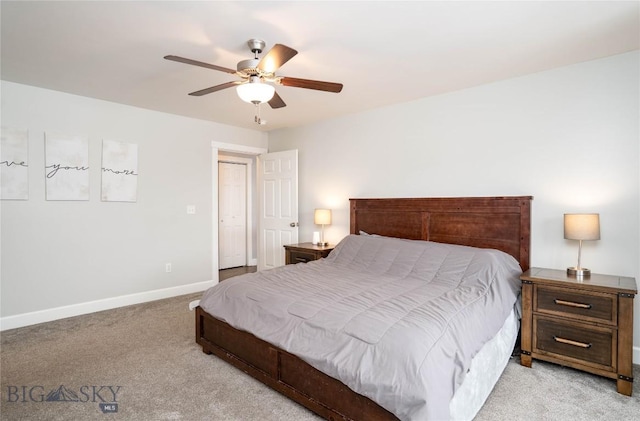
(232,214)
(278,209)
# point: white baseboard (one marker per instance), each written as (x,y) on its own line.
(41,316)
(636,355)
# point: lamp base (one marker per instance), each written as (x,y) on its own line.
(321,244)
(578,272)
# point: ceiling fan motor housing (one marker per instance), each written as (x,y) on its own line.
(248,67)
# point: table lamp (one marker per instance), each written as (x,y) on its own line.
(581,227)
(322,217)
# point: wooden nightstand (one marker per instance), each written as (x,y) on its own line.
(305,252)
(584,324)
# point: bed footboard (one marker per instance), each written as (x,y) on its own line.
(284,372)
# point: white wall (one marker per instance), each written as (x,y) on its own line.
(569,137)
(65,258)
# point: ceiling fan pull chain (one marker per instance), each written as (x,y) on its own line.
(257,118)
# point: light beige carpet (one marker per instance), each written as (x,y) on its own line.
(147,355)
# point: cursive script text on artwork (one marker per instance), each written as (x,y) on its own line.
(57,167)
(12,163)
(123,172)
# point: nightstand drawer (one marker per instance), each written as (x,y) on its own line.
(585,344)
(580,305)
(301,257)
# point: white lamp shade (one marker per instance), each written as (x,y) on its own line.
(582,226)
(255,92)
(322,217)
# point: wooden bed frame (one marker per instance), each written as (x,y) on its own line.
(501,223)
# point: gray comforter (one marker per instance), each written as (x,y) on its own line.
(395,320)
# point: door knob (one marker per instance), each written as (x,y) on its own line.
(293,224)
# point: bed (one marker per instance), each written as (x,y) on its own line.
(295,365)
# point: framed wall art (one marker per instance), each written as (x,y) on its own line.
(119,171)
(14,164)
(66,167)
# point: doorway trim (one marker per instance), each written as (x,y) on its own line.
(216,148)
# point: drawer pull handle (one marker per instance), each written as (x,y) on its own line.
(302,259)
(570,342)
(572,304)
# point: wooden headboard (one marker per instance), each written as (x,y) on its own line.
(502,223)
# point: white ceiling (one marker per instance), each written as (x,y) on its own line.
(383,52)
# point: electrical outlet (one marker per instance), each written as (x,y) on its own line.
(191,210)
(167,267)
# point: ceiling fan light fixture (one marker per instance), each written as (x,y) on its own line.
(255,91)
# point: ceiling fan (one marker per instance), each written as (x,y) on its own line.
(257,76)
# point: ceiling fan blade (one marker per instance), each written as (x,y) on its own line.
(311,84)
(276,101)
(214,88)
(199,63)
(276,57)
